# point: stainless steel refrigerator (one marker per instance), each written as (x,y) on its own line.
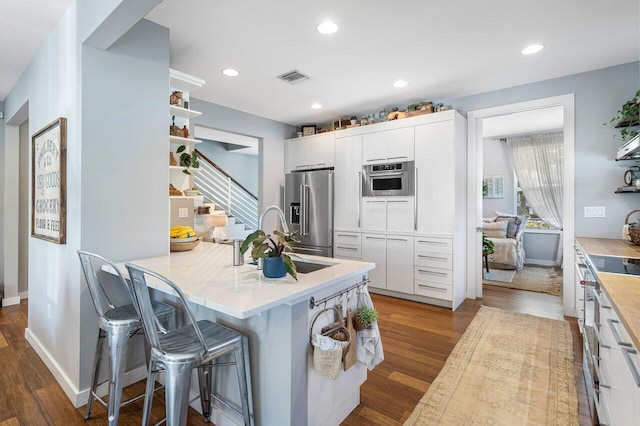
(308,205)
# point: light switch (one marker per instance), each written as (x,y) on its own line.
(597,211)
(183,212)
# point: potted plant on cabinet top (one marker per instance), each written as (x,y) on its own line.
(188,159)
(365,316)
(277,263)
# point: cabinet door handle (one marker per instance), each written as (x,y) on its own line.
(396,158)
(596,331)
(375,238)
(422,256)
(440,274)
(616,335)
(415,200)
(397,239)
(432,242)
(397,201)
(432,287)
(347,235)
(594,360)
(376,159)
(374,201)
(347,248)
(634,371)
(359,195)
(596,294)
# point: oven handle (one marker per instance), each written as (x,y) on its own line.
(378,175)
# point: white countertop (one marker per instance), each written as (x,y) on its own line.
(207,277)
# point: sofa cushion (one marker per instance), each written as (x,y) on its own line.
(520,223)
(512,224)
(495,229)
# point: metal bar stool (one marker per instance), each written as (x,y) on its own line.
(178,352)
(117,323)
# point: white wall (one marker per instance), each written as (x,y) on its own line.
(541,247)
(496,162)
(271,135)
(242,167)
(1,206)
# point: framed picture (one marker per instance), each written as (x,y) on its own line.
(308,130)
(49,182)
(493,186)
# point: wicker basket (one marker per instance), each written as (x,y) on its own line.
(634,228)
(340,333)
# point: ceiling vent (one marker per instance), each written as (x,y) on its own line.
(293,77)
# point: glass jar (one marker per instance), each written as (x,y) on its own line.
(363,121)
(372,118)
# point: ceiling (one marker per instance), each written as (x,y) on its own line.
(444,49)
(24,25)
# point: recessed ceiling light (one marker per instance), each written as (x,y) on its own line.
(327,28)
(316,106)
(530,50)
(230,72)
(400,83)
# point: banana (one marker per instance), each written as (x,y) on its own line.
(181,232)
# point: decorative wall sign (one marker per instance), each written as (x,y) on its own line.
(493,186)
(49,182)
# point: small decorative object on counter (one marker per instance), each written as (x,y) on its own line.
(633,228)
(175,98)
(238,256)
(365,316)
(182,238)
(277,263)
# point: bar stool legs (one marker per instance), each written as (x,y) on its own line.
(241,354)
(176,388)
(205,379)
(97,360)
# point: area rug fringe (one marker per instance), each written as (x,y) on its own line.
(507,369)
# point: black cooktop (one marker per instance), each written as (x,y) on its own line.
(615,265)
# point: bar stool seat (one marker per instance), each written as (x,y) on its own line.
(117,324)
(177,352)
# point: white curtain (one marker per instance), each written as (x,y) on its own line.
(538,163)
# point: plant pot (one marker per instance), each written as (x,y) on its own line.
(273,267)
(358,324)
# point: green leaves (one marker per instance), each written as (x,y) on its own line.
(250,239)
(188,159)
(290,266)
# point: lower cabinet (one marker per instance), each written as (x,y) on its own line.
(347,245)
(393,256)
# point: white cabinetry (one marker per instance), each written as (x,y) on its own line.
(388,214)
(348,182)
(347,245)
(309,152)
(388,146)
(393,256)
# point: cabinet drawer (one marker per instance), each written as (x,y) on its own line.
(434,275)
(435,290)
(347,251)
(349,238)
(434,260)
(434,245)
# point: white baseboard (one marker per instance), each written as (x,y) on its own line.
(78,398)
(24,295)
(11,301)
(539,262)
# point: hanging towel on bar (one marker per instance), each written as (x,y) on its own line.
(369,344)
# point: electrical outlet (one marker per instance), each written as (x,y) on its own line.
(183,212)
(597,211)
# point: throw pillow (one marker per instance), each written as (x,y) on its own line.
(512,224)
(495,229)
(523,219)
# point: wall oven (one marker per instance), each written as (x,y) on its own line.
(389,179)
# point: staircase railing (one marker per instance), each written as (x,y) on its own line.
(228,194)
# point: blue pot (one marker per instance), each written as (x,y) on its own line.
(273,267)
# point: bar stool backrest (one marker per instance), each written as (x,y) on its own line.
(142,302)
(94,265)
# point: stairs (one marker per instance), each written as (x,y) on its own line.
(222,226)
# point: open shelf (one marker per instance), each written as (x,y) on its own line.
(181,168)
(185,82)
(183,141)
(183,112)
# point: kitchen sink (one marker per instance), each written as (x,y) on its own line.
(306,266)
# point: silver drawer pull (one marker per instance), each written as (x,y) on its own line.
(374,201)
(396,158)
(634,371)
(596,294)
(596,367)
(433,242)
(432,257)
(347,235)
(375,238)
(397,239)
(397,201)
(432,287)
(376,159)
(616,335)
(441,274)
(599,336)
(347,248)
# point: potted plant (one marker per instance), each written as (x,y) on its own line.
(627,119)
(188,159)
(487,245)
(277,263)
(364,317)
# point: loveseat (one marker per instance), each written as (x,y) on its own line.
(506,232)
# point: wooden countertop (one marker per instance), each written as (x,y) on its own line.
(623,290)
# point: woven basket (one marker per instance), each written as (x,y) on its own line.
(634,228)
(337,333)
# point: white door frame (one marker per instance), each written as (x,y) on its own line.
(474,199)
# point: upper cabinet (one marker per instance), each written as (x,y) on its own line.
(309,152)
(388,146)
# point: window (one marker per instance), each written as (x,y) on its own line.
(523,208)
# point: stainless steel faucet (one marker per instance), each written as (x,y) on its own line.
(283,220)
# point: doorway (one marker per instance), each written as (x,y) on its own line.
(23,210)
(475,190)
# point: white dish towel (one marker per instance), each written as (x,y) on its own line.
(369,344)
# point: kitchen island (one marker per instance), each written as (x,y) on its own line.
(276,315)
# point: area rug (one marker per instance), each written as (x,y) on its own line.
(501,275)
(532,278)
(507,369)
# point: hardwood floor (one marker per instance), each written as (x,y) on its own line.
(417,341)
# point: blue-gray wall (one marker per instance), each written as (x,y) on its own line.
(242,167)
(1,204)
(496,161)
(598,95)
